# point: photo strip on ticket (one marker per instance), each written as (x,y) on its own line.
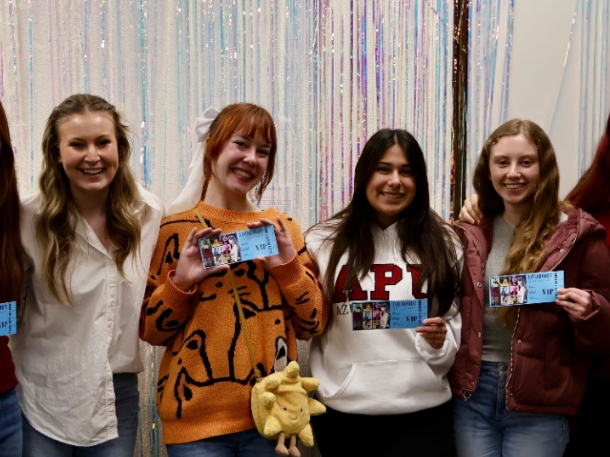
(524,288)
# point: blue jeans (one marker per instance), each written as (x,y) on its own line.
(484,428)
(243,444)
(10,425)
(35,444)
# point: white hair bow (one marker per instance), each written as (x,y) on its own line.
(191,194)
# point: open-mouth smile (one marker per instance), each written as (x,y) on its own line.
(92,171)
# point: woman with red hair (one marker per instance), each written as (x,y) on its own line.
(592,193)
(207,373)
(11,274)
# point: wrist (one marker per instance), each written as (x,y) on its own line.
(180,283)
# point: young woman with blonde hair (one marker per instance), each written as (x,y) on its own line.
(88,238)
(11,281)
(521,371)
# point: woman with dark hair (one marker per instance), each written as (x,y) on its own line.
(387,244)
(88,237)
(11,280)
(592,193)
(521,371)
(207,373)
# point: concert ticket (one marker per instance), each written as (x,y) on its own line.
(8,318)
(389,314)
(524,288)
(228,248)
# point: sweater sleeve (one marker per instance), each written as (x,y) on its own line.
(591,333)
(301,291)
(165,308)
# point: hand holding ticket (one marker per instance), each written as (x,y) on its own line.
(189,270)
(286,250)
(227,248)
(576,302)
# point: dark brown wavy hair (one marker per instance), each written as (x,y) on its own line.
(11,260)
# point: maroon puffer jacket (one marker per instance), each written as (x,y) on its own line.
(7,369)
(550,362)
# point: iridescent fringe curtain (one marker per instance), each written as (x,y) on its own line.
(490,25)
(383,64)
(591,22)
(569,97)
(330,72)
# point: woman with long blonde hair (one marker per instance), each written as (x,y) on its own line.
(88,238)
(11,279)
(521,371)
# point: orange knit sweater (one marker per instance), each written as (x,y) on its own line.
(205,377)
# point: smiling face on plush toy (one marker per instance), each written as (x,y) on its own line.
(291,408)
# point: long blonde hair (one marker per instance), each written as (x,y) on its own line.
(57,219)
(535,229)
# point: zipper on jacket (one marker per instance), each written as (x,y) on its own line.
(467,394)
(510,369)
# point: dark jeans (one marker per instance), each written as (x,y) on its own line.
(590,436)
(10,425)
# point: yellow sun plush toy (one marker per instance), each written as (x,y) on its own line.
(281,408)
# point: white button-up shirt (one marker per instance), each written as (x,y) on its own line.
(65,356)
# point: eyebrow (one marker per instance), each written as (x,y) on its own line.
(406,165)
(81,139)
(249,138)
(98,136)
(504,156)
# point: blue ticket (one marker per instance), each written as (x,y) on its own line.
(8,318)
(524,289)
(389,314)
(234,247)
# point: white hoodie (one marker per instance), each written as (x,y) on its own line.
(380,371)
